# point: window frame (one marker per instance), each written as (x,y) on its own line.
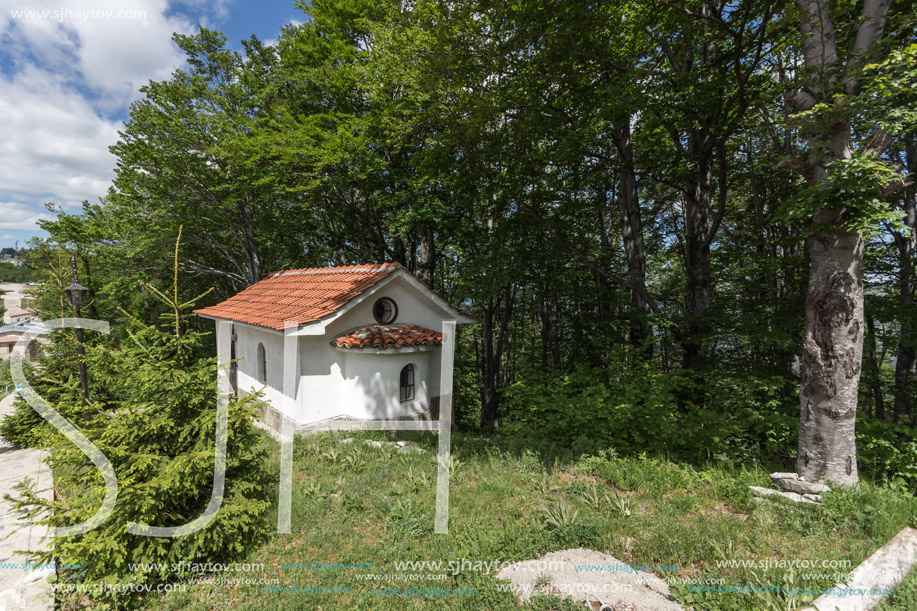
(394,306)
(262,363)
(407,389)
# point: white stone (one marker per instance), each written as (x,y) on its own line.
(794,483)
(790,496)
(619,586)
(885,569)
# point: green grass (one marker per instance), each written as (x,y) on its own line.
(359,504)
(904,597)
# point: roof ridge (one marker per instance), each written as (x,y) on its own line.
(362,267)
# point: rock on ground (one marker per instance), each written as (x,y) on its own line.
(790,496)
(617,585)
(403,446)
(794,483)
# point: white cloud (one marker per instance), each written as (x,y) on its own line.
(19,216)
(272,42)
(110,47)
(71,67)
(54,144)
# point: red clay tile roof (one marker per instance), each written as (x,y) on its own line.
(301,295)
(398,336)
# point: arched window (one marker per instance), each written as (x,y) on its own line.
(262,364)
(407,383)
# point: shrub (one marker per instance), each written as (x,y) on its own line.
(21,427)
(153,414)
(584,412)
(888,450)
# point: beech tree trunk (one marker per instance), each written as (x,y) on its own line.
(906,362)
(426,258)
(875,373)
(494,336)
(699,233)
(832,348)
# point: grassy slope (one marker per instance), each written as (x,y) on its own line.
(360,504)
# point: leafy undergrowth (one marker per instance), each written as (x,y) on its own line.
(358,505)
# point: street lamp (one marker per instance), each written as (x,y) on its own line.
(78,295)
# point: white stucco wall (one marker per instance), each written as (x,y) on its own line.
(247,340)
(359,384)
(353,383)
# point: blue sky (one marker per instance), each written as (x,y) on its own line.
(68,71)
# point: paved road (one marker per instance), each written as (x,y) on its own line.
(12,298)
(21,589)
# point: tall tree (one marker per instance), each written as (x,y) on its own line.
(906,245)
(844,185)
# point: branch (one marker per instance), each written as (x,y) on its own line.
(880,141)
(706,13)
(584,258)
(801,99)
(871,27)
(235,278)
(804,168)
(897,185)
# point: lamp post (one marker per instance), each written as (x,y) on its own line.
(77,294)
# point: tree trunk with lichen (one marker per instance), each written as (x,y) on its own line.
(832,351)
(906,363)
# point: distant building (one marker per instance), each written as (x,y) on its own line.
(13,332)
(23,315)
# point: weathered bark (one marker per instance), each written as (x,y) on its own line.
(634,248)
(253,265)
(426,257)
(399,253)
(832,348)
(906,362)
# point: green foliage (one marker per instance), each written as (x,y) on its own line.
(744,417)
(488,148)
(22,426)
(153,414)
(12,273)
(888,450)
(6,378)
(855,186)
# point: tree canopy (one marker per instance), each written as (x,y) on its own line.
(646,205)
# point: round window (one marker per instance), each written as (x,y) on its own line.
(385,311)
